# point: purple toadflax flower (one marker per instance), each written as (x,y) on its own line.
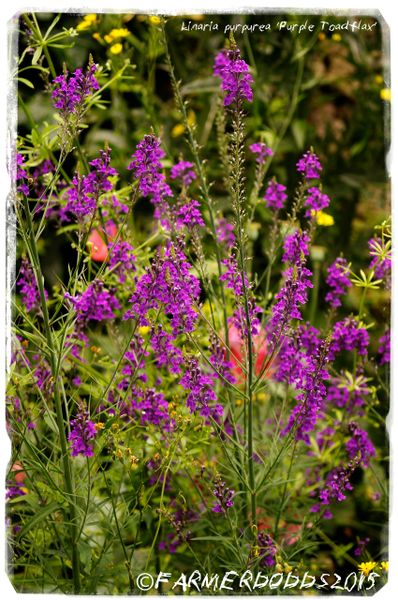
(349,335)
(188,215)
(359,446)
(225,233)
(121,259)
(28,287)
(96,303)
(266,550)
(262,152)
(146,167)
(167,285)
(82,197)
(275,195)
(201,395)
(338,280)
(235,76)
(296,247)
(223,495)
(70,91)
(82,434)
(21,175)
(310,400)
(309,165)
(384,351)
(183,171)
(315,201)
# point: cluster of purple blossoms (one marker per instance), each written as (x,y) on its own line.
(361,546)
(225,233)
(235,76)
(180,520)
(113,204)
(71,90)
(223,495)
(121,259)
(167,285)
(82,197)
(42,374)
(262,152)
(275,195)
(266,550)
(152,408)
(146,167)
(201,395)
(309,165)
(239,319)
(21,175)
(338,280)
(183,171)
(336,484)
(315,201)
(359,446)
(233,276)
(311,399)
(166,354)
(288,300)
(96,303)
(14,489)
(188,215)
(82,434)
(296,247)
(295,358)
(381,259)
(349,335)
(28,287)
(384,351)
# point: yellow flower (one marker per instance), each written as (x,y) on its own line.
(88,20)
(96,36)
(180,128)
(321,36)
(379,79)
(108,38)
(144,329)
(384,565)
(99,426)
(385,94)
(116,48)
(154,20)
(177,130)
(323,219)
(367,567)
(336,37)
(119,33)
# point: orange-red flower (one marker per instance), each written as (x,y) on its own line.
(97,243)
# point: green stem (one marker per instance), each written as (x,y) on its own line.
(57,400)
(193,144)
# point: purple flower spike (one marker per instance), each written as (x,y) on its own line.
(82,433)
(275,195)
(262,152)
(316,200)
(235,76)
(338,281)
(71,90)
(309,166)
